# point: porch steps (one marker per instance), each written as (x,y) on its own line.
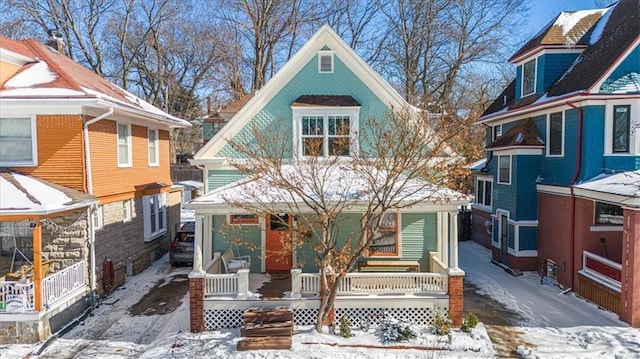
(266,329)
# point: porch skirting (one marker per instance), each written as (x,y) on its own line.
(418,309)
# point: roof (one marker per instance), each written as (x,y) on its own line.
(622,188)
(524,134)
(234,106)
(27,195)
(325,37)
(325,100)
(605,42)
(54,76)
(340,183)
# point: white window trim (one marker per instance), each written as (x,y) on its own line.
(321,54)
(34,144)
(398,240)
(634,127)
(156,149)
(483,205)
(127,210)
(354,123)
(98,218)
(535,77)
(510,169)
(562,139)
(129,150)
(146,213)
(496,134)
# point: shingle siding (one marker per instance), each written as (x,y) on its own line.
(629,65)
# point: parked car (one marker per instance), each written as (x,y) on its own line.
(181,247)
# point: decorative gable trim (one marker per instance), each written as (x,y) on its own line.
(321,40)
(595,88)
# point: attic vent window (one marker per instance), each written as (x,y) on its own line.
(325,62)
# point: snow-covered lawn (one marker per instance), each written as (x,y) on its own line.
(557,326)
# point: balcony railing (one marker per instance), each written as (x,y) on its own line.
(56,286)
(16,297)
(602,269)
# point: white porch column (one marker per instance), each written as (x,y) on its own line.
(197,250)
(207,241)
(439,239)
(243,283)
(296,283)
(444,223)
(453,239)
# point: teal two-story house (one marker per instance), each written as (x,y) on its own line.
(560,190)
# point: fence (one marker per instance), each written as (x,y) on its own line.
(59,284)
(16,297)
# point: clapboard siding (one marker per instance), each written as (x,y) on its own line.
(111,180)
(60,151)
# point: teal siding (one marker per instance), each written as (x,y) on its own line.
(622,74)
(528,238)
(592,142)
(418,237)
(512,237)
(219,178)
(525,171)
(248,238)
(277,113)
(558,171)
(551,67)
(518,82)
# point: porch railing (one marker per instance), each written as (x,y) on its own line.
(602,269)
(236,284)
(16,297)
(59,284)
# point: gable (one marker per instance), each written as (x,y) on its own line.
(277,112)
(626,76)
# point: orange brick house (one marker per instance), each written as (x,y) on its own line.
(65,129)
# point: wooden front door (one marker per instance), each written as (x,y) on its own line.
(278,242)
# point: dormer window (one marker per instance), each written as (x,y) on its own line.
(528,78)
(325,62)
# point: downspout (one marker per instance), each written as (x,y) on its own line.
(571,188)
(92,231)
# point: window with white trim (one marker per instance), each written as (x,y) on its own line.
(497,132)
(385,239)
(152,135)
(607,214)
(528,78)
(155,216)
(124,145)
(18,141)
(127,210)
(555,134)
(324,133)
(484,186)
(98,218)
(621,128)
(325,62)
(504,169)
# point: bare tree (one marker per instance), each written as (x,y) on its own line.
(402,162)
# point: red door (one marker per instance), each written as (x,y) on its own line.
(278,242)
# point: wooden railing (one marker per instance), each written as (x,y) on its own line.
(602,269)
(235,284)
(16,297)
(435,264)
(57,285)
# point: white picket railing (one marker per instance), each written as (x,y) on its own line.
(57,285)
(236,284)
(16,297)
(602,269)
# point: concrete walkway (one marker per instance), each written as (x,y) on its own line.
(541,305)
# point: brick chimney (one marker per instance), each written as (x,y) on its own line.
(56,42)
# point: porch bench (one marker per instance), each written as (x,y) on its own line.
(391,266)
(233,263)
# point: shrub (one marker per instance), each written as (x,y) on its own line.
(392,330)
(442,323)
(345,330)
(469,322)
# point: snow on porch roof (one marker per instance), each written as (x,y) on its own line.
(338,184)
(623,187)
(28,195)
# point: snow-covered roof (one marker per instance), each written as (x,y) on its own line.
(622,188)
(27,195)
(52,75)
(191,184)
(341,183)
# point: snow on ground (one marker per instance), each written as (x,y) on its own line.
(558,325)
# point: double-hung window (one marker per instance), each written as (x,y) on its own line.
(555,134)
(621,128)
(528,78)
(504,169)
(325,133)
(18,143)
(484,186)
(384,238)
(124,145)
(155,216)
(127,206)
(152,135)
(98,218)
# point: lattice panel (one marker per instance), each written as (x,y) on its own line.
(421,316)
(221,319)
(305,316)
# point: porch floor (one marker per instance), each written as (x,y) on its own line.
(270,286)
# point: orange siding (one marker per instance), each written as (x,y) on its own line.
(7,70)
(60,151)
(109,180)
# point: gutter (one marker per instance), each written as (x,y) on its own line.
(92,232)
(572,189)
